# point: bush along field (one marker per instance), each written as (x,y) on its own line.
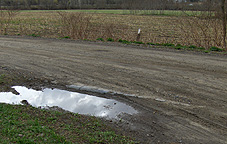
(175,29)
(27,124)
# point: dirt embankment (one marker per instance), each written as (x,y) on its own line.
(182,95)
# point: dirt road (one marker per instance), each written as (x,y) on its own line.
(182,95)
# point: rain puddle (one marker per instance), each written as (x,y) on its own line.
(70,101)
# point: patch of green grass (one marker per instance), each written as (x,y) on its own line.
(158,44)
(179,47)
(192,47)
(130,12)
(225,52)
(130,42)
(168,44)
(34,35)
(66,37)
(150,43)
(164,12)
(201,48)
(105,136)
(161,44)
(110,40)
(137,42)
(124,41)
(216,49)
(85,11)
(26,124)
(100,39)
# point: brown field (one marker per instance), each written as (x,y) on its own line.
(155,28)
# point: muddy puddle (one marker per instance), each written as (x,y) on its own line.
(70,101)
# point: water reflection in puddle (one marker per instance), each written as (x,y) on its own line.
(71,101)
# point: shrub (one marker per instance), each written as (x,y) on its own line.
(110,39)
(216,49)
(137,42)
(124,41)
(100,39)
(150,43)
(120,40)
(158,44)
(201,48)
(178,48)
(168,44)
(76,25)
(178,45)
(192,46)
(66,37)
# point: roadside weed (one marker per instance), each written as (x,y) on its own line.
(110,40)
(216,49)
(100,39)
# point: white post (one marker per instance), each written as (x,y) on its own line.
(138,35)
(139,31)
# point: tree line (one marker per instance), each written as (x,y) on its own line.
(108,4)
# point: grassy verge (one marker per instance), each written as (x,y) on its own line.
(170,45)
(26,124)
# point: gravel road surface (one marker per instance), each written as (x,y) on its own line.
(182,95)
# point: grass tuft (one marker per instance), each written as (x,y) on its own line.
(216,49)
(100,39)
(192,47)
(66,37)
(137,42)
(110,40)
(168,44)
(124,41)
(34,35)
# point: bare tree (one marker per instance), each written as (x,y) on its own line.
(79,3)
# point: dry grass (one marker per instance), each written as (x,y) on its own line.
(202,32)
(156,29)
